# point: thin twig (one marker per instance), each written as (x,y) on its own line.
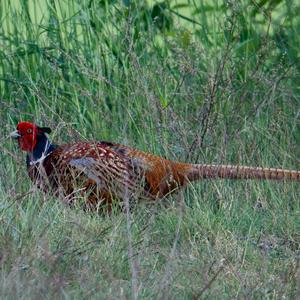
(168,270)
(131,256)
(208,285)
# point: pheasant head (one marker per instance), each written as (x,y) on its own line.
(28,135)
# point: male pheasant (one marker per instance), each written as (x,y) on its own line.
(103,171)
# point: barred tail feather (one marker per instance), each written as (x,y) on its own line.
(202,171)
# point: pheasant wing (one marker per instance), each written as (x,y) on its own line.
(111,171)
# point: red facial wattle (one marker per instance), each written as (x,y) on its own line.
(27,142)
(28,136)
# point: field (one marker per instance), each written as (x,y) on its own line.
(196,81)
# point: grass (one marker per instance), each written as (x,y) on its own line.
(224,91)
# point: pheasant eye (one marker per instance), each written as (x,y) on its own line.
(29,130)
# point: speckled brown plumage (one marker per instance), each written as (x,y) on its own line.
(100,172)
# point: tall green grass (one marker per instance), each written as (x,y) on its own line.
(207,81)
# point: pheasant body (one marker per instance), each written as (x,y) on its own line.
(103,171)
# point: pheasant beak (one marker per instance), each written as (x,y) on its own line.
(15,134)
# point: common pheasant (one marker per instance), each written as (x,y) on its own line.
(103,171)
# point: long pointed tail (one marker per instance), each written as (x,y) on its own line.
(201,171)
